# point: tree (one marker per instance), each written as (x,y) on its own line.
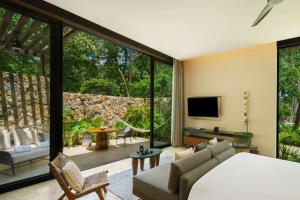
(289,76)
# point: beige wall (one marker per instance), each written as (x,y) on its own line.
(228,75)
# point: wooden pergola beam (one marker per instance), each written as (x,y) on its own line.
(34,26)
(38,37)
(71,34)
(6,19)
(17,28)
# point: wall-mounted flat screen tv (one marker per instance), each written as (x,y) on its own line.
(204,106)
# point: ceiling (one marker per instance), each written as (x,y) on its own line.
(187,28)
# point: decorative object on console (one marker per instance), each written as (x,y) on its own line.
(216,129)
(246,111)
(254,149)
(144,152)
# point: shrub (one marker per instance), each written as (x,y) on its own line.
(100,86)
(289,153)
(289,135)
(74,130)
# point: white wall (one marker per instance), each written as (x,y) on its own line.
(228,75)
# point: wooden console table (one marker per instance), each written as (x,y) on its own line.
(197,136)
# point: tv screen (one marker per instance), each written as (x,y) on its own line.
(203,107)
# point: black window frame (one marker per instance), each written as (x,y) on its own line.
(282,45)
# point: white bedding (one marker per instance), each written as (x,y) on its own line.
(249,177)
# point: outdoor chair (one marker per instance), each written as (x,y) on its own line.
(242,141)
(94,183)
(124,133)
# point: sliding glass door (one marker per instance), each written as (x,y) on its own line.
(162,104)
(105,85)
(25,96)
(289,103)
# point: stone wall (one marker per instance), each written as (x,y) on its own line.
(107,107)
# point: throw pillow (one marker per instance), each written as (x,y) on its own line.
(200,146)
(16,137)
(212,141)
(179,155)
(73,176)
(5,140)
(25,135)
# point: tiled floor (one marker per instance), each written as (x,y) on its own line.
(50,190)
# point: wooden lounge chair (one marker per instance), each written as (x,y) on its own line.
(94,183)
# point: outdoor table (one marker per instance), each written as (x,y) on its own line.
(153,157)
(102,139)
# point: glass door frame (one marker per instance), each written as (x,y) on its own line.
(282,45)
(152,103)
(55,93)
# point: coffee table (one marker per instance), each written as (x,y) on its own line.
(153,158)
(101,136)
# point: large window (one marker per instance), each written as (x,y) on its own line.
(289,103)
(94,82)
(25,96)
(108,85)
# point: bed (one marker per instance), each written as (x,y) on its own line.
(249,177)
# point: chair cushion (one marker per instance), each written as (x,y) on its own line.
(219,147)
(185,164)
(73,176)
(153,184)
(200,146)
(182,154)
(5,140)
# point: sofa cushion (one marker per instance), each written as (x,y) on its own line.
(22,148)
(219,147)
(5,140)
(35,153)
(153,184)
(200,146)
(182,154)
(221,157)
(185,164)
(188,179)
(213,141)
(73,176)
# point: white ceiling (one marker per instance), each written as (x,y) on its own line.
(188,28)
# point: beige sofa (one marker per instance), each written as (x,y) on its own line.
(173,181)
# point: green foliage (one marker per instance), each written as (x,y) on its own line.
(289,75)
(289,153)
(138,117)
(100,86)
(289,135)
(74,130)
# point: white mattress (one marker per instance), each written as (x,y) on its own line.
(249,177)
